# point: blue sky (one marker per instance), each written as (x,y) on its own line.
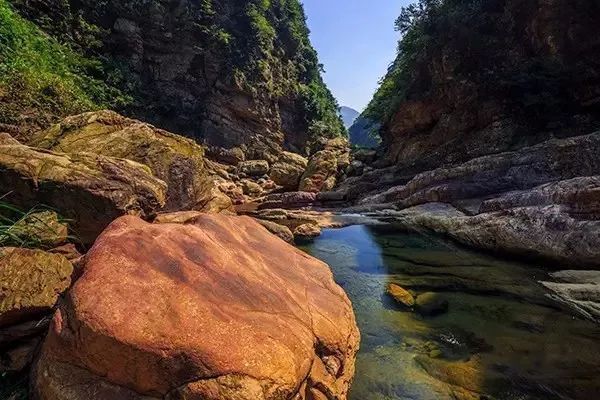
(356,42)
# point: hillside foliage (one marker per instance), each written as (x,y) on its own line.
(277,57)
(417,24)
(264,45)
(41,78)
(475,41)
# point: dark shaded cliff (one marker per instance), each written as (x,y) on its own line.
(232,73)
(480,77)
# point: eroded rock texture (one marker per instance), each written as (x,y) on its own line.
(234,73)
(31,280)
(215,309)
(490,119)
(31,283)
(178,161)
(540,201)
(89,190)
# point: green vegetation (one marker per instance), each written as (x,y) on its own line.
(53,63)
(28,229)
(421,26)
(479,42)
(41,78)
(277,60)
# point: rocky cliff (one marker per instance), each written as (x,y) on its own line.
(481,77)
(490,117)
(232,73)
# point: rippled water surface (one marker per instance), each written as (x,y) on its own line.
(500,339)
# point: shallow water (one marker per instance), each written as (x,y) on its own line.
(500,339)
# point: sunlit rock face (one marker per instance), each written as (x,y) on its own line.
(174,159)
(215,309)
(90,190)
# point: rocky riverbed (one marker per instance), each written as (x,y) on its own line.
(479,327)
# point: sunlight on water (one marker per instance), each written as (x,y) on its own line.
(500,339)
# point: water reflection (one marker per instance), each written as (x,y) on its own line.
(501,338)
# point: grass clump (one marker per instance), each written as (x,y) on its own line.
(37,228)
(42,79)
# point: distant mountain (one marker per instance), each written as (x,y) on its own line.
(348,115)
(358,128)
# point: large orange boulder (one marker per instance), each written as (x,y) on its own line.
(218,308)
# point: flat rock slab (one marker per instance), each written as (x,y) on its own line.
(216,309)
(578,291)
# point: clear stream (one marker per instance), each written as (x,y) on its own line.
(501,338)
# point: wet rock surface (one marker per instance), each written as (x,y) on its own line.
(401,295)
(138,325)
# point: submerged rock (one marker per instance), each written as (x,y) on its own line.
(176,160)
(431,304)
(401,295)
(215,309)
(87,189)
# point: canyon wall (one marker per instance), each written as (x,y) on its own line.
(230,73)
(475,78)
